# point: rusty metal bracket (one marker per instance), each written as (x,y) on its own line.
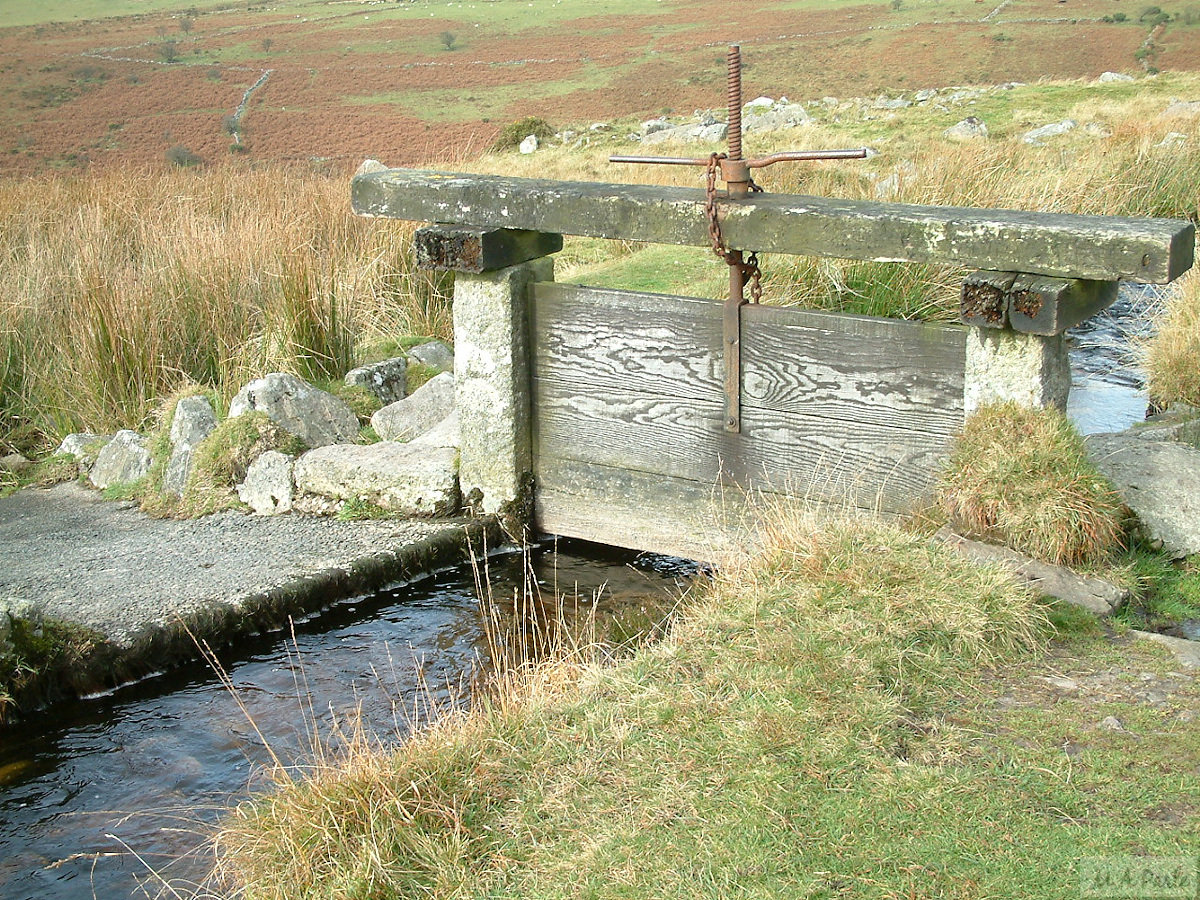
(734,170)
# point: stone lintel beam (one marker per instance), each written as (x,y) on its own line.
(1034,304)
(1100,248)
(475,249)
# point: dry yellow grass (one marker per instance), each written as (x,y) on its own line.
(117,288)
(1172,357)
(1021,477)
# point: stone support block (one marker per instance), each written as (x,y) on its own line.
(461,248)
(491,343)
(1041,305)
(1027,369)
(1036,304)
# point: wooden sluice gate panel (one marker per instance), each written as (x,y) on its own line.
(629,446)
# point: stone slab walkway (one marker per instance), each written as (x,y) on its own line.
(148,585)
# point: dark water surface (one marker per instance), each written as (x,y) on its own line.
(146,769)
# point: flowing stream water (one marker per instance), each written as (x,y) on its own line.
(96,794)
(1108,388)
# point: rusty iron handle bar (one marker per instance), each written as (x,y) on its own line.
(761,163)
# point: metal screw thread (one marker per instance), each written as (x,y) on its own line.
(733,94)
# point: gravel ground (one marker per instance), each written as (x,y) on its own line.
(112,568)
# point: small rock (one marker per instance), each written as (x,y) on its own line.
(178,471)
(598,126)
(882,102)
(194,421)
(83,445)
(406,419)
(888,187)
(1187,653)
(652,125)
(15,463)
(123,460)
(830,102)
(1181,108)
(924,96)
(1114,78)
(268,487)
(385,380)
(1172,139)
(12,611)
(370,167)
(434,354)
(445,433)
(1111,723)
(1054,129)
(1098,129)
(529,145)
(788,115)
(714,133)
(963,94)
(758,105)
(970,128)
(1159,480)
(567,136)
(413,480)
(314,416)
(1066,685)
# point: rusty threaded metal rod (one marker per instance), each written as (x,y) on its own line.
(733,95)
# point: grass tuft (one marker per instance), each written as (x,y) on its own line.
(1022,477)
(513,133)
(221,461)
(1172,356)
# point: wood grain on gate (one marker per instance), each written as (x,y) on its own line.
(628,438)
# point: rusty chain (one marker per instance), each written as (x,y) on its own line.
(751,272)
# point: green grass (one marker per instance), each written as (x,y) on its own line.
(358,510)
(822,722)
(1165,592)
(482,103)
(694,271)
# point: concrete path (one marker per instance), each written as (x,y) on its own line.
(145,583)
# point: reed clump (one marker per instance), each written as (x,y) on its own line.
(1021,477)
(119,287)
(1172,356)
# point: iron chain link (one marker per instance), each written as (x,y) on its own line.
(751,273)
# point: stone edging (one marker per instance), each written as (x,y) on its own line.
(220,623)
